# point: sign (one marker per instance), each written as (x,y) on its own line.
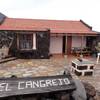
(30,85)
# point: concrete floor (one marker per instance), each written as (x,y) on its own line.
(46,67)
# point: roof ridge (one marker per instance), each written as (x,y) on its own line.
(45,19)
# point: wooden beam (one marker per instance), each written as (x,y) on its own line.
(17,41)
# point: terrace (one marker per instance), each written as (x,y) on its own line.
(47,67)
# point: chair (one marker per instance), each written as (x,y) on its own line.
(98,57)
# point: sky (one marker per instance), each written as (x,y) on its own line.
(87,10)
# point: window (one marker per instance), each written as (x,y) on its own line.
(27,41)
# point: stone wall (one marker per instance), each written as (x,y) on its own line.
(42,44)
(42,47)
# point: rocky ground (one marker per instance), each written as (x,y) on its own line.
(47,67)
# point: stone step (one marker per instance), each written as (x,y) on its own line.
(7,59)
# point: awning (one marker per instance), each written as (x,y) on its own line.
(30,85)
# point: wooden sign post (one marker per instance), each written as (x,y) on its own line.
(29,85)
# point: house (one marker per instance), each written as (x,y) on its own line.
(39,38)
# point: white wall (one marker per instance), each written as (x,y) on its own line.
(76,41)
(56,45)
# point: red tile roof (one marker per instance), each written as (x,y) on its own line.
(55,26)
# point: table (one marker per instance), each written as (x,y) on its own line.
(84,67)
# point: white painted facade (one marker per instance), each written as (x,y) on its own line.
(34,41)
(77,40)
(56,45)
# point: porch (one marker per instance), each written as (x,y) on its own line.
(73,44)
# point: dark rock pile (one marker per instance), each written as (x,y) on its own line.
(90,91)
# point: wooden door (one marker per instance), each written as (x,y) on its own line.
(69,44)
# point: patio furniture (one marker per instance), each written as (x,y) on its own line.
(98,57)
(82,67)
(84,51)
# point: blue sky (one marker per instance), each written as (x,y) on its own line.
(87,10)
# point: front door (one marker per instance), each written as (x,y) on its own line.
(69,44)
(64,45)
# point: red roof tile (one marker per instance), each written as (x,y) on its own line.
(55,26)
